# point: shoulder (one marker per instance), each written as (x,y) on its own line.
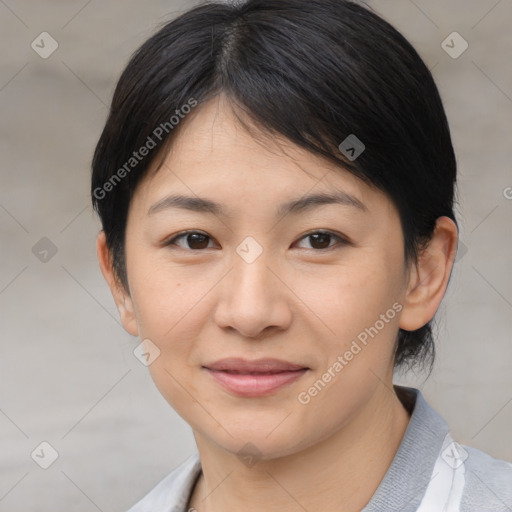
(488,482)
(172,493)
(451,476)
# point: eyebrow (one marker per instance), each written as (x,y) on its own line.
(296,206)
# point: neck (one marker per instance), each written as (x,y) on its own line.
(340,473)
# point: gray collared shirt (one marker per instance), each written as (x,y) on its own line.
(429,473)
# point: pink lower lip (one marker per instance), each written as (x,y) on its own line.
(254,385)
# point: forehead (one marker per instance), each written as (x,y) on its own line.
(213,155)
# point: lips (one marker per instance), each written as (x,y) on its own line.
(259,366)
(254,378)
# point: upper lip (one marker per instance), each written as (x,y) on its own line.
(266,365)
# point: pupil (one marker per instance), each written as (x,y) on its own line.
(323,237)
(197,238)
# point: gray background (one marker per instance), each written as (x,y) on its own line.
(67,372)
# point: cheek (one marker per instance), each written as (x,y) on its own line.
(350,298)
(361,308)
(162,296)
(171,308)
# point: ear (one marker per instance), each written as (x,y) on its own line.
(121,296)
(428,279)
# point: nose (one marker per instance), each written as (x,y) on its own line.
(253,298)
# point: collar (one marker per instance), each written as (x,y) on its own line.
(409,475)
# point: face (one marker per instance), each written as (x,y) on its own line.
(319,285)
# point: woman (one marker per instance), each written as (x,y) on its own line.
(275,183)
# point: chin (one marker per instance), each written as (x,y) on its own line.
(255,443)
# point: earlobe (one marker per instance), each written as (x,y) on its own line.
(429,278)
(121,296)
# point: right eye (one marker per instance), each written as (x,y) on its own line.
(196,240)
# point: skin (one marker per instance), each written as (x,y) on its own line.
(298,301)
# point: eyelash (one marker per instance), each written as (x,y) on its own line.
(342,241)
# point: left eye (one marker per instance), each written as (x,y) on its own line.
(319,240)
(322,238)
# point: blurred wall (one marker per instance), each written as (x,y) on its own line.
(68,376)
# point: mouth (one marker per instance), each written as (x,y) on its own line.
(254,378)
